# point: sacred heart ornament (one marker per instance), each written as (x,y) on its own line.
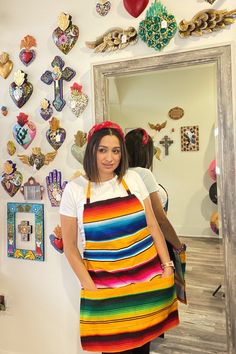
(37,159)
(66,34)
(79,146)
(24,131)
(103,7)
(78,100)
(20,89)
(11,178)
(46,109)
(135,8)
(55,135)
(56,239)
(6,65)
(27,55)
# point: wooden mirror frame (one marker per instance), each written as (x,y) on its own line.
(221,56)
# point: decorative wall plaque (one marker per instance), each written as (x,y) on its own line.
(32,190)
(37,159)
(20,89)
(176,113)
(190,138)
(66,34)
(11,178)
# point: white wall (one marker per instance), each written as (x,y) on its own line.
(43,298)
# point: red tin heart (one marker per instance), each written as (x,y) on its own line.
(57,243)
(135,8)
(27,56)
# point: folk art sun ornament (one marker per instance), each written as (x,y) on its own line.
(66,34)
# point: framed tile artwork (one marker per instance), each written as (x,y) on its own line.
(190,138)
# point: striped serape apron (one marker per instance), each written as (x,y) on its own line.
(133,303)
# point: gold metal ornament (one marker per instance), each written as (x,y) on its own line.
(6,65)
(37,159)
(11,149)
(206,21)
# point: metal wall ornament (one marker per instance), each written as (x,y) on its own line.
(79,146)
(78,100)
(103,7)
(11,179)
(27,55)
(57,76)
(11,148)
(46,110)
(206,21)
(190,138)
(166,142)
(55,187)
(4,111)
(176,113)
(158,127)
(6,65)
(32,190)
(135,8)
(56,239)
(210,1)
(66,34)
(55,135)
(20,89)
(158,28)
(24,230)
(113,40)
(37,159)
(24,131)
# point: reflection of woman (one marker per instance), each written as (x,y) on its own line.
(140,154)
(128,295)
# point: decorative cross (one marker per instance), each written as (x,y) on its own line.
(57,75)
(166,142)
(25,229)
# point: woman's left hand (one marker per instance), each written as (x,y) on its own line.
(167,272)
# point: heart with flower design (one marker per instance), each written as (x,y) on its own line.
(66,34)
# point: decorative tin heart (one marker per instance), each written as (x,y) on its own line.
(56,240)
(79,146)
(55,135)
(65,36)
(24,131)
(27,56)
(6,65)
(103,7)
(11,178)
(78,100)
(135,8)
(46,109)
(20,89)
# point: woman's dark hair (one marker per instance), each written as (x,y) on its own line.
(90,156)
(140,150)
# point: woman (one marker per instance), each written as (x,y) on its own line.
(128,295)
(140,150)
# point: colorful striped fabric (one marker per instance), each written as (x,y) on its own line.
(133,303)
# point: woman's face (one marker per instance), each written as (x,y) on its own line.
(108,156)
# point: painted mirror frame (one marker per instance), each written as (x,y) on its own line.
(221,56)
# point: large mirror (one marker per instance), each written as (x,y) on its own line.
(139,92)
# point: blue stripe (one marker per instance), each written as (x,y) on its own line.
(115,255)
(115,228)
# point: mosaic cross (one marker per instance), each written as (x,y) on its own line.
(25,229)
(166,142)
(57,75)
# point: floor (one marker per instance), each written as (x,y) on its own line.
(202,327)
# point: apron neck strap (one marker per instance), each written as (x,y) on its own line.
(88,193)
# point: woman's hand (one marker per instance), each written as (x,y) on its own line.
(167,272)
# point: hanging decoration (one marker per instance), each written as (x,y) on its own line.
(57,76)
(135,8)
(66,34)
(176,113)
(55,135)
(158,126)
(46,110)
(27,234)
(103,7)
(56,239)
(32,190)
(210,1)
(27,55)
(166,142)
(212,170)
(206,21)
(11,179)
(37,159)
(214,222)
(4,111)
(11,149)
(114,39)
(190,138)
(55,187)
(79,146)
(213,193)
(158,28)
(6,65)
(78,100)
(20,89)
(24,131)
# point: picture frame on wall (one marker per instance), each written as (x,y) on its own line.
(190,138)
(25,231)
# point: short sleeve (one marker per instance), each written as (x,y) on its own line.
(68,204)
(150,181)
(139,185)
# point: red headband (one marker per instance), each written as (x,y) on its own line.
(145,138)
(105,125)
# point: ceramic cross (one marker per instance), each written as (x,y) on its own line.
(57,75)
(25,229)
(166,142)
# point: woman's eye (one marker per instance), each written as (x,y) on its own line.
(116,151)
(102,150)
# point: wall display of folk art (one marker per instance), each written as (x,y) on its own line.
(66,34)
(25,231)
(27,54)
(190,138)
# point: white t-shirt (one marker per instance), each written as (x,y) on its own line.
(74,195)
(151,184)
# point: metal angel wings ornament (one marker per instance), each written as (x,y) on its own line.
(37,159)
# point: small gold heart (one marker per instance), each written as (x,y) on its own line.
(6,68)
